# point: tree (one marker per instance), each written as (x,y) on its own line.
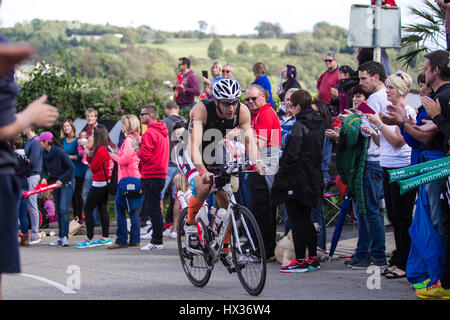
(422,36)
(215,49)
(243,48)
(268,30)
(202,26)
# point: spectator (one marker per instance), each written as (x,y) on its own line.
(227,72)
(37,113)
(286,123)
(91,118)
(290,74)
(371,246)
(153,151)
(216,73)
(267,130)
(23,170)
(101,166)
(261,78)
(317,211)
(56,163)
(188,88)
(70,146)
(328,79)
(346,81)
(128,166)
(34,153)
(394,154)
(172,112)
(299,181)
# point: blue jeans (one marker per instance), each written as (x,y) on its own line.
(244,191)
(371,238)
(122,232)
(433,190)
(22,214)
(317,217)
(171,172)
(62,197)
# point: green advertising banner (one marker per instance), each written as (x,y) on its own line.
(418,169)
(412,183)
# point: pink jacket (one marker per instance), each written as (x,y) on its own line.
(127,160)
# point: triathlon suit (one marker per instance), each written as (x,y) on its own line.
(213,121)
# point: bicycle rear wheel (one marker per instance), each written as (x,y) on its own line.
(248,252)
(197,263)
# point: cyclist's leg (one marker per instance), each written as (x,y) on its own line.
(223,202)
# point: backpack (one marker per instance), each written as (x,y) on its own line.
(23,168)
(112,185)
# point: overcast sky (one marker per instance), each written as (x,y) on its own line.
(226,17)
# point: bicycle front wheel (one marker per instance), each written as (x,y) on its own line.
(248,252)
(197,263)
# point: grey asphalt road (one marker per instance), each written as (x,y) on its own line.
(56,273)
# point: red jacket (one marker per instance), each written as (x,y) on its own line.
(326,81)
(96,164)
(154,152)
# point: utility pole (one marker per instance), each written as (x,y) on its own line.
(377,32)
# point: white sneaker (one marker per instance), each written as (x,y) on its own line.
(166,232)
(65,242)
(145,230)
(147,236)
(173,235)
(56,242)
(152,247)
(35,239)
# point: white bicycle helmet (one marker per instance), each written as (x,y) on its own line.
(227,89)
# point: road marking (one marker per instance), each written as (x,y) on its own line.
(57,285)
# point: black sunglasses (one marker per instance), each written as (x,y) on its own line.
(328,60)
(251,98)
(226,71)
(143,114)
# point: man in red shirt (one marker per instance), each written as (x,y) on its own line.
(328,79)
(266,126)
(153,151)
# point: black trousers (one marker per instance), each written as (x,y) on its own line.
(77,198)
(304,233)
(264,212)
(97,198)
(399,209)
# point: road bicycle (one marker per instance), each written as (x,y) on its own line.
(248,257)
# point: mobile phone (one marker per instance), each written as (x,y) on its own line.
(365,108)
(205,74)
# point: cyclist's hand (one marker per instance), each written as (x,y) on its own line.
(206,177)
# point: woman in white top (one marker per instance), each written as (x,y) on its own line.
(394,154)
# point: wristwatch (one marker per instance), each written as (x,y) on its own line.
(380,127)
(402,124)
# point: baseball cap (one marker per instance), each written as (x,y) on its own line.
(45,136)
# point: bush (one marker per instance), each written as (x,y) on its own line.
(215,49)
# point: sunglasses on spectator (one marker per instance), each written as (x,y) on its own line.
(251,98)
(329,60)
(227,104)
(143,114)
(226,71)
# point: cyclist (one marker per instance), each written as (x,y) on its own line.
(198,159)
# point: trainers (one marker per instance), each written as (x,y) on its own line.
(296,266)
(86,244)
(103,242)
(152,247)
(420,285)
(351,262)
(192,234)
(360,265)
(313,264)
(65,242)
(379,263)
(118,246)
(34,239)
(435,291)
(172,235)
(56,242)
